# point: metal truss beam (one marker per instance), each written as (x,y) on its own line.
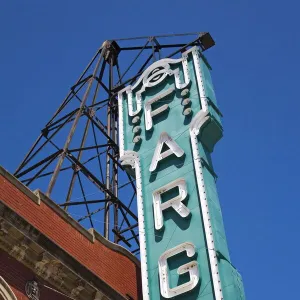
(75,159)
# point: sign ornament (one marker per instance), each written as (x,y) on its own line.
(169,125)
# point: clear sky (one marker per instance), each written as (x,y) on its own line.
(46,44)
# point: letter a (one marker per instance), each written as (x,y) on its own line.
(158,155)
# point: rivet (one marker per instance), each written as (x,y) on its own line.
(186,101)
(137,139)
(136,120)
(136,129)
(187,111)
(185,92)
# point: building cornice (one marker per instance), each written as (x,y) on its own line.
(37,196)
(33,249)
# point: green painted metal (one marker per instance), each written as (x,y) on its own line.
(176,229)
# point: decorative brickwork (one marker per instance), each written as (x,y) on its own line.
(16,275)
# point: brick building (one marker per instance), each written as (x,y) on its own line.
(45,254)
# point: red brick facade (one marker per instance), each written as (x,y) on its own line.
(115,268)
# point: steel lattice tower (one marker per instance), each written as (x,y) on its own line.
(77,150)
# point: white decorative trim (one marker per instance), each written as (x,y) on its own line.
(165,64)
(132,159)
(158,155)
(130,103)
(199,120)
(200,80)
(6,292)
(152,76)
(191,268)
(121,124)
(175,203)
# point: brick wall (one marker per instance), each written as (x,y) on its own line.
(116,269)
(16,275)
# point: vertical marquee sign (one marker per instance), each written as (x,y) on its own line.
(169,124)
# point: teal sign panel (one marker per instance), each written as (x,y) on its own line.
(169,123)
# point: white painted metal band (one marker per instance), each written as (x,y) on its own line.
(196,124)
(132,158)
(200,81)
(121,123)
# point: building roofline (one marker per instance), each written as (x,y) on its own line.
(37,196)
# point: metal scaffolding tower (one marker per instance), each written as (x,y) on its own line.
(77,151)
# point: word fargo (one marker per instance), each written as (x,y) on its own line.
(169,124)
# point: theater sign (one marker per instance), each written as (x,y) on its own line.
(169,123)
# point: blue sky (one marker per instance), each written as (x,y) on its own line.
(46,44)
